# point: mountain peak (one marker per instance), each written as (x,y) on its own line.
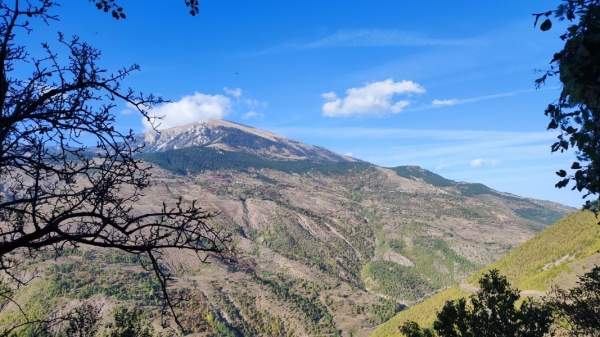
(229,136)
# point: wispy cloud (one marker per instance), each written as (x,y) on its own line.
(436,103)
(482,162)
(393,134)
(375,98)
(361,38)
(252,115)
(233,92)
(462,150)
(444,102)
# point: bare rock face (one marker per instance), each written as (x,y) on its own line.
(234,137)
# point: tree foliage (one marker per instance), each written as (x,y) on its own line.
(491,312)
(576,112)
(580,306)
(82,321)
(129,322)
(114,8)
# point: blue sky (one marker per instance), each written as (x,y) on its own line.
(447,86)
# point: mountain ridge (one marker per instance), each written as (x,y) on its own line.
(230,136)
(222,144)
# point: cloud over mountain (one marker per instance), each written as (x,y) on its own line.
(190,109)
(202,107)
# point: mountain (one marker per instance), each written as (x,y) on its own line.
(553,258)
(332,245)
(233,137)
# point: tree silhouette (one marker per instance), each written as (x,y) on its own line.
(68,176)
(580,306)
(491,312)
(116,10)
(576,112)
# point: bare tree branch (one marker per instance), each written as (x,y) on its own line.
(68,175)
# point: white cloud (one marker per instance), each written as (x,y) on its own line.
(329,96)
(380,38)
(361,38)
(254,104)
(233,92)
(444,102)
(190,109)
(481,162)
(375,98)
(252,114)
(440,103)
(253,107)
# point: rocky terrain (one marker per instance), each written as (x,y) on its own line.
(331,245)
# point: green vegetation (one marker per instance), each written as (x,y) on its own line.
(84,279)
(539,214)
(246,318)
(258,322)
(576,111)
(396,281)
(578,308)
(492,311)
(384,310)
(397,245)
(334,257)
(36,304)
(466,189)
(82,275)
(129,322)
(535,265)
(474,189)
(413,172)
(198,159)
(436,266)
(219,327)
(317,314)
(436,261)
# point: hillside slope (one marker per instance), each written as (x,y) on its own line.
(331,245)
(552,258)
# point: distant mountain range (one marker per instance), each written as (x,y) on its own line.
(335,245)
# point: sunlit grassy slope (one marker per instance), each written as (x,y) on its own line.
(535,265)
